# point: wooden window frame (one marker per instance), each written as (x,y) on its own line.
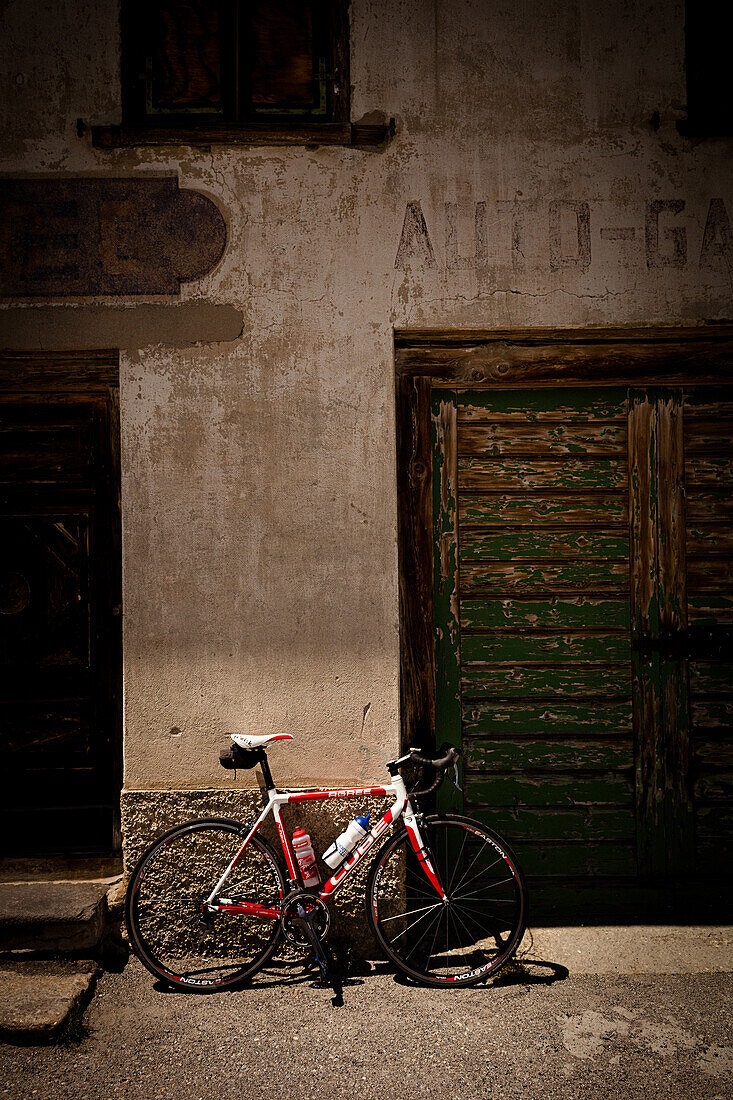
(277,129)
(511,358)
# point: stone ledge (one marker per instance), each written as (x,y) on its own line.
(52,916)
(41,1000)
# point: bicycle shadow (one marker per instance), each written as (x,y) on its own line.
(286,974)
(289,974)
(519,972)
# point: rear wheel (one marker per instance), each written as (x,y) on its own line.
(172,932)
(471,936)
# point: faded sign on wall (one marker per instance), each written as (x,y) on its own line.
(85,235)
(487,235)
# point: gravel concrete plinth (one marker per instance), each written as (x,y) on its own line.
(40,999)
(146,814)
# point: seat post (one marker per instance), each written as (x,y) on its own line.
(265,768)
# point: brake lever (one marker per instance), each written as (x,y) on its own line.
(456,784)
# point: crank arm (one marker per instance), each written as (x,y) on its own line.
(303,922)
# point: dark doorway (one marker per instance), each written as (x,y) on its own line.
(60,604)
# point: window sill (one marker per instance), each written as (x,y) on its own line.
(360,135)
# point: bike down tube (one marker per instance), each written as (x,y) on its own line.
(393,814)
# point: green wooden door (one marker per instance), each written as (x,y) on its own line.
(560,602)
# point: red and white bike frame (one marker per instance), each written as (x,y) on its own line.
(401,807)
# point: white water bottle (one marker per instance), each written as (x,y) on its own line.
(306,858)
(342,845)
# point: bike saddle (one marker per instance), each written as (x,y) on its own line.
(258,741)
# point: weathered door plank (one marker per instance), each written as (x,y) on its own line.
(645,633)
(550,718)
(592,509)
(446,582)
(542,438)
(508,544)
(551,790)
(711,471)
(483,754)
(528,404)
(596,683)
(672,626)
(478,474)
(544,647)
(529,578)
(534,825)
(574,612)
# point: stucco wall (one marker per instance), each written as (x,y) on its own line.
(259,507)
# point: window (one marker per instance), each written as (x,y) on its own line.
(707,63)
(201,71)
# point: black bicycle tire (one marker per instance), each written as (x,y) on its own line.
(490,970)
(137,940)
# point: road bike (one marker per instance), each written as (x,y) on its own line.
(210,901)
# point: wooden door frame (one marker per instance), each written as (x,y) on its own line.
(74,376)
(502,359)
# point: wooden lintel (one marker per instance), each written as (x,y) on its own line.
(602,356)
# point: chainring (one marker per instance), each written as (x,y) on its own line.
(314,907)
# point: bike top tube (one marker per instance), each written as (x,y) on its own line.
(341,792)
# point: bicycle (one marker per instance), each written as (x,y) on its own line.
(209,901)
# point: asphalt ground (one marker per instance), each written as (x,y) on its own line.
(541,1031)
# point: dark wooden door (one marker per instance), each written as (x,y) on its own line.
(582,567)
(60,623)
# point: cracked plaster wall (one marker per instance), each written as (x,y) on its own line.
(259,508)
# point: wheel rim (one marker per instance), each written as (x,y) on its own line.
(476,931)
(171,931)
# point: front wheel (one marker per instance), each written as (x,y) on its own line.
(172,931)
(476,931)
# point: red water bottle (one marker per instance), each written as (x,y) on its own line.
(306,858)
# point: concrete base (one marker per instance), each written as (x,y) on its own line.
(642,949)
(42,999)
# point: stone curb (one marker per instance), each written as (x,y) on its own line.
(43,1000)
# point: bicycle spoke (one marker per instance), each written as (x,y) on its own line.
(422,879)
(458,861)
(481,871)
(452,916)
(410,913)
(418,942)
(457,916)
(409,927)
(492,886)
(471,917)
(477,892)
